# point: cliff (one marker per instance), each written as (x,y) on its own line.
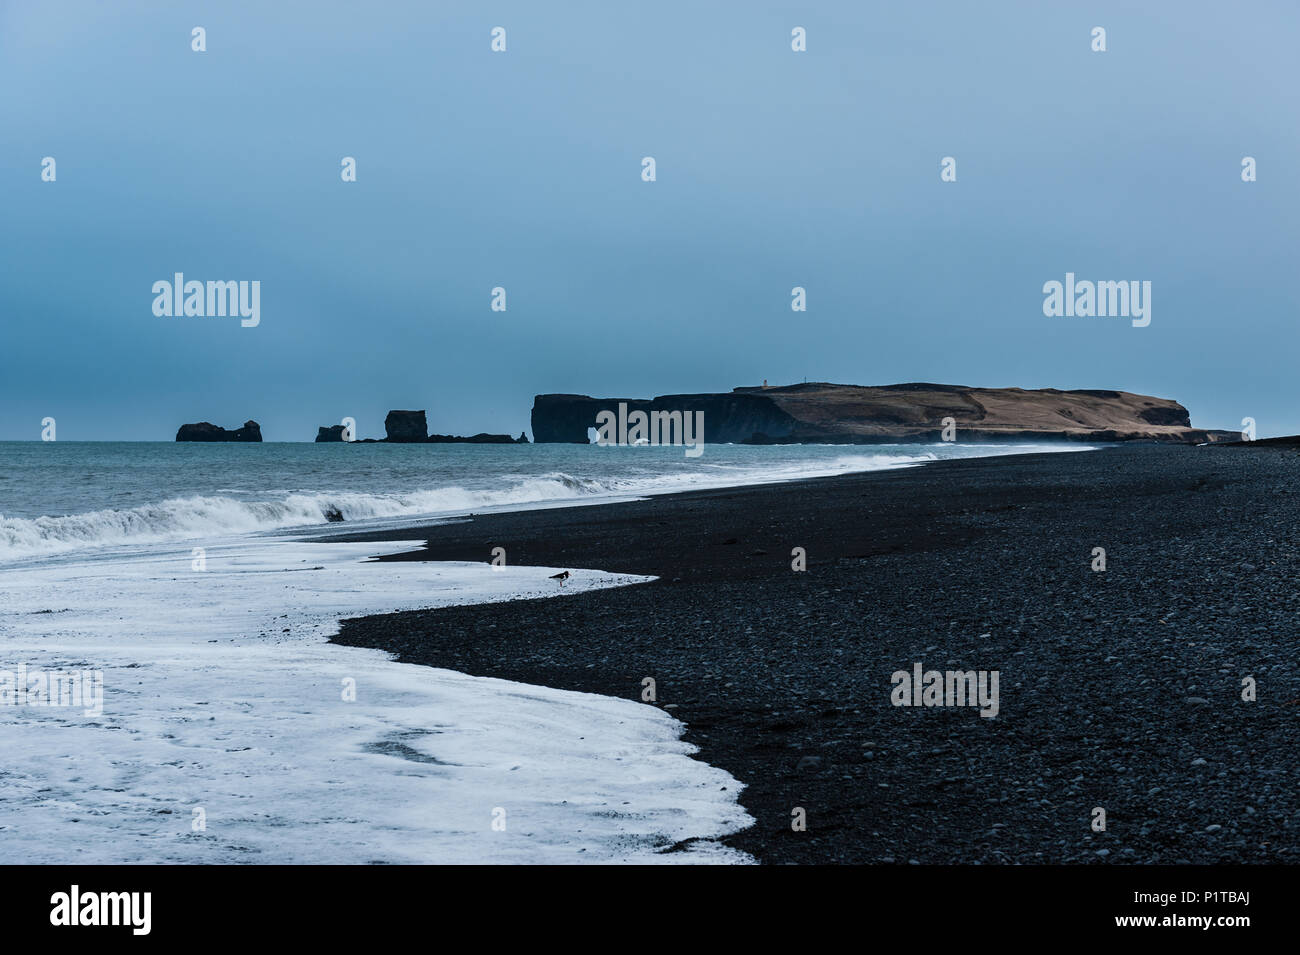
(728,418)
(206,431)
(823,413)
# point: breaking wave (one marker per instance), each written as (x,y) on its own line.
(180,518)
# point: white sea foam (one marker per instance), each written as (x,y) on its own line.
(220,693)
(201,516)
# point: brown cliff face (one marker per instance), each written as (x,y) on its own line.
(818,412)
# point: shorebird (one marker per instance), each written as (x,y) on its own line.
(562,576)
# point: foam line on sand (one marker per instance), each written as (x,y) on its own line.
(221,694)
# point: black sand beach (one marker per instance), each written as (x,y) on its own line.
(1119,689)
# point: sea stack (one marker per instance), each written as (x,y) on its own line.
(406,427)
(206,431)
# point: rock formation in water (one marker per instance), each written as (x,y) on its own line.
(406,427)
(480,438)
(206,431)
(409,427)
(823,413)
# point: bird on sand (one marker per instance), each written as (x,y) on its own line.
(562,576)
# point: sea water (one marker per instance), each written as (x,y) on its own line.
(59,497)
(229,729)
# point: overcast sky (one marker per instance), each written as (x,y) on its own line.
(522,169)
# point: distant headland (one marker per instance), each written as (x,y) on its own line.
(825,413)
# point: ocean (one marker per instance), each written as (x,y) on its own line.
(88,497)
(229,730)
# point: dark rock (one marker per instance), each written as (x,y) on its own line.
(479,438)
(406,427)
(824,413)
(728,418)
(206,431)
(1284,441)
(409,427)
(522,439)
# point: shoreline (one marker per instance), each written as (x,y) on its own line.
(396,526)
(1115,685)
(337,501)
(325,754)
